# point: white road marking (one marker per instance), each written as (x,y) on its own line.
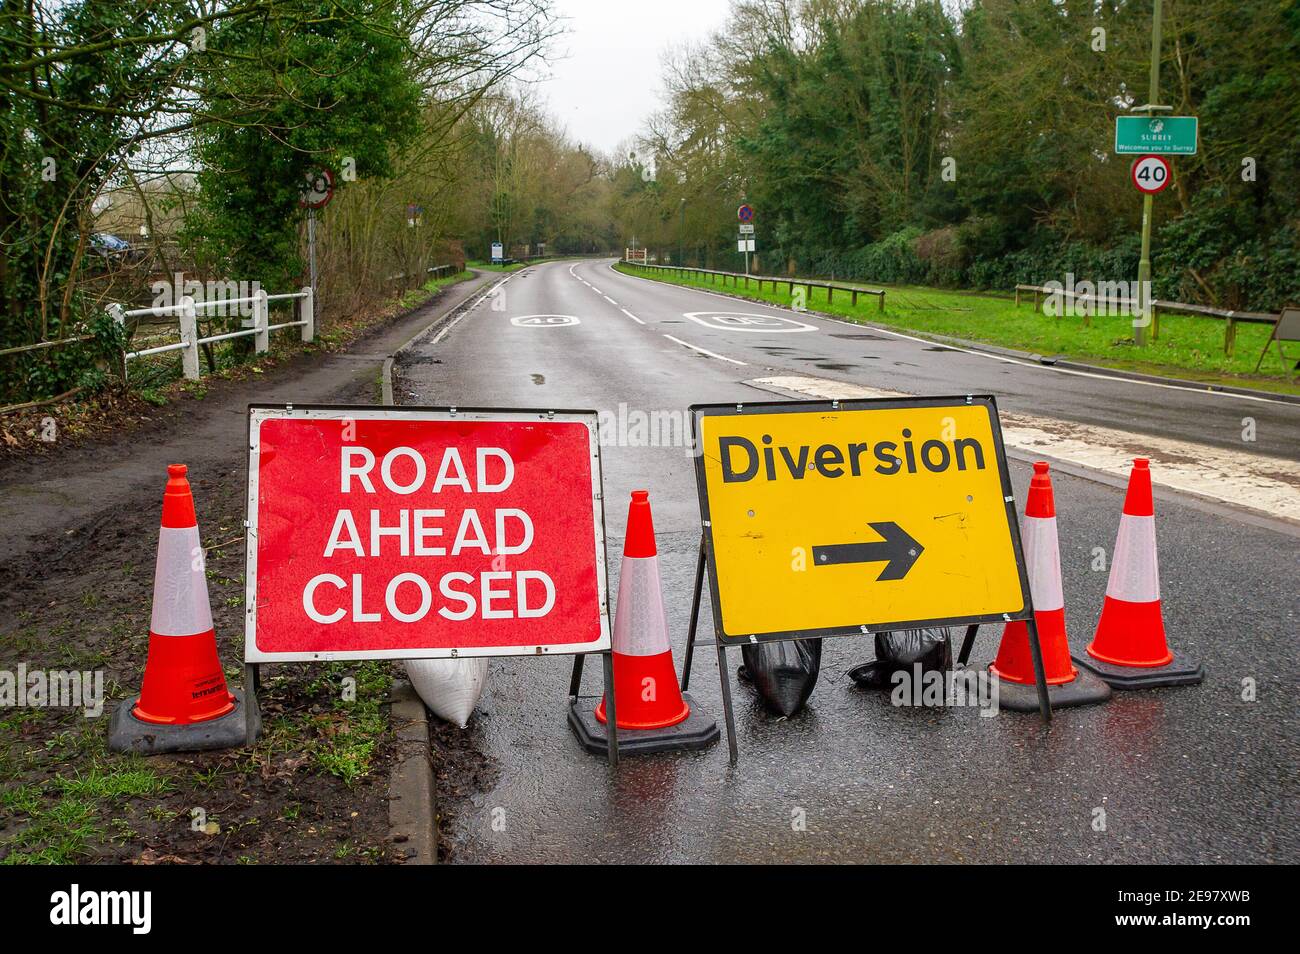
(982,354)
(741,321)
(632,316)
(1268,485)
(610,300)
(544,321)
(720,357)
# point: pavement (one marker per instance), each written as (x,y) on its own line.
(1179,775)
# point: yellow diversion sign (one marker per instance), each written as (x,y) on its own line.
(835,517)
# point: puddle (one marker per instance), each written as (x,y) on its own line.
(538,378)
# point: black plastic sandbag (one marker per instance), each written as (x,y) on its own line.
(902,649)
(783,673)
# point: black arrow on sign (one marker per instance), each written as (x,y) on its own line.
(898,550)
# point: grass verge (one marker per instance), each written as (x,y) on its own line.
(1188,346)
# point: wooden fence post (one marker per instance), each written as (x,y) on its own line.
(262,322)
(189,322)
(307,304)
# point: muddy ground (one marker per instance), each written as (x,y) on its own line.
(76,576)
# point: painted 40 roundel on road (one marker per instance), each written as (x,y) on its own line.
(1151,174)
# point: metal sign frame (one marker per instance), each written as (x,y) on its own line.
(257,413)
(1286,328)
(861,627)
(706,558)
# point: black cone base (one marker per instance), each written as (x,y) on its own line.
(697,731)
(126,733)
(1085,689)
(1181,671)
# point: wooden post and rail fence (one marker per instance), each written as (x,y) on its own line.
(186,313)
(1230,316)
(737,278)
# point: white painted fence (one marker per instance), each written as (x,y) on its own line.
(187,311)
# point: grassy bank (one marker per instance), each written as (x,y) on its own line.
(1189,346)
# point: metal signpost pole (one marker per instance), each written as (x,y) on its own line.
(1144,264)
(311,248)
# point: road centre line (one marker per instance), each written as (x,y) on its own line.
(978,354)
(632,316)
(711,354)
(610,300)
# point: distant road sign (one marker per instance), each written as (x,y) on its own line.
(745,245)
(1155,135)
(1150,174)
(406,533)
(746,228)
(498,252)
(745,213)
(834,518)
(317,189)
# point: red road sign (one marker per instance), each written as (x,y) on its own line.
(406,533)
(1150,173)
(317,189)
(745,213)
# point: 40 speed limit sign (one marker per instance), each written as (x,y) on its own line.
(1151,174)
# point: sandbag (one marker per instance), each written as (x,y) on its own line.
(449,687)
(782,672)
(902,649)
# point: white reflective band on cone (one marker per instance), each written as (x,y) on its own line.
(640,626)
(1043,562)
(1134,569)
(180,592)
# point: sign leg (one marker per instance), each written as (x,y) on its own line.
(695,619)
(726,702)
(252,683)
(1040,675)
(611,713)
(575,684)
(968,643)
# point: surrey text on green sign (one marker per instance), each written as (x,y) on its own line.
(1155,135)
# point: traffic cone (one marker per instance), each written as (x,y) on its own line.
(184,704)
(653,714)
(1129,650)
(1014,665)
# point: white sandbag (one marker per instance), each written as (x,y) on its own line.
(449,687)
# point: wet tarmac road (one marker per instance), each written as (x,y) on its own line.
(1182,775)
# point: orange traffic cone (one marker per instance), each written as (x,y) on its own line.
(649,703)
(1129,650)
(1014,665)
(184,704)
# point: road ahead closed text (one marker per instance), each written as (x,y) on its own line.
(395,534)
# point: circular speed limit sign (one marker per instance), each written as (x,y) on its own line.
(1150,174)
(317,189)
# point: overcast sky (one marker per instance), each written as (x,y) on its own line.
(605,69)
